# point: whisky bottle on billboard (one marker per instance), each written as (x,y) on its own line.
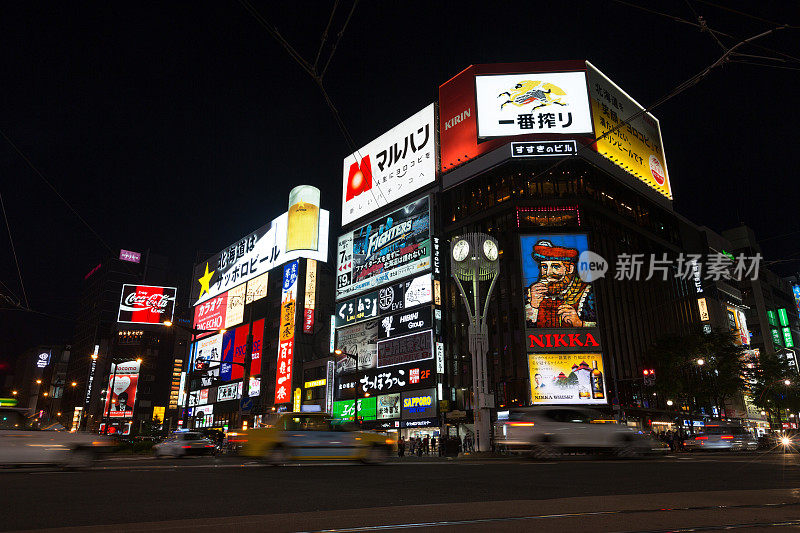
(598,391)
(302,227)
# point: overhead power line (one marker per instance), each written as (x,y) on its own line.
(13,249)
(317,76)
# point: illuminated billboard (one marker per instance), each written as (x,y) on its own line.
(418,404)
(534,102)
(359,340)
(405,349)
(402,295)
(122,384)
(385,250)
(394,165)
(234,312)
(562,378)
(555,295)
(146,304)
(636,146)
(283,375)
(309,303)
(264,249)
(397,378)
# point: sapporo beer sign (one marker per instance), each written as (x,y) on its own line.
(146,304)
(386,249)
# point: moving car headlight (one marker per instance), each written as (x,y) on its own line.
(786,441)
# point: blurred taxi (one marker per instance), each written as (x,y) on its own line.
(183,443)
(314,436)
(724,438)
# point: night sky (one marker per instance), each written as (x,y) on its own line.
(182,127)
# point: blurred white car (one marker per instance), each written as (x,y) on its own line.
(183,443)
(722,436)
(549,431)
(23,442)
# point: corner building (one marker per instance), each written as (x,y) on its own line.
(519,161)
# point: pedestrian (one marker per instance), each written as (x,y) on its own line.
(670,440)
(433,444)
(427,445)
(412,442)
(401,447)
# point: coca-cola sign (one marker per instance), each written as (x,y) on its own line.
(145,304)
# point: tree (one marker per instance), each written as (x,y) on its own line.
(767,375)
(699,370)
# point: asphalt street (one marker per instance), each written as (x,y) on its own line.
(139,494)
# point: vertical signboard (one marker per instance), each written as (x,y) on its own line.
(122,384)
(329,370)
(283,375)
(310,296)
(234,314)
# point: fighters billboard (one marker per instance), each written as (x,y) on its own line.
(386,249)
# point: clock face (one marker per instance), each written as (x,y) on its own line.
(461,250)
(490,250)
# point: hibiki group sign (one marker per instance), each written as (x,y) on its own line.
(145,304)
(392,166)
(283,375)
(387,249)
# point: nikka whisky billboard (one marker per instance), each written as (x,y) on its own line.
(562,338)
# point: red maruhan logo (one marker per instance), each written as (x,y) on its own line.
(359,178)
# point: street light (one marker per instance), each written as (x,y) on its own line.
(38,381)
(167,323)
(14,392)
(701,362)
(74,383)
(787,382)
(669,403)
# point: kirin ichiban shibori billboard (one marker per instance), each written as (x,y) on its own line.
(394,165)
(146,304)
(385,250)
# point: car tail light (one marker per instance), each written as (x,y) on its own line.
(727,437)
(701,438)
(520,424)
(185,447)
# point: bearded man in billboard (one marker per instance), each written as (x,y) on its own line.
(559,298)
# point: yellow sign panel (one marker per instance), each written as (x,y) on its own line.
(633,145)
(297,398)
(703,307)
(257,288)
(235,312)
(158,413)
(572,378)
(315,383)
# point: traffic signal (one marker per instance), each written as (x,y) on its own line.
(649,376)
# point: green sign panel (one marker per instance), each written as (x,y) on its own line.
(776,338)
(771,318)
(787,338)
(367,409)
(783,317)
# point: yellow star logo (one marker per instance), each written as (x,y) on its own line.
(205,280)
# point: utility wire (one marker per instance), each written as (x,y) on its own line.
(339,38)
(317,77)
(36,171)
(748,15)
(325,35)
(13,249)
(700,27)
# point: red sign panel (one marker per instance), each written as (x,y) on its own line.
(283,374)
(145,304)
(121,392)
(258,341)
(211,313)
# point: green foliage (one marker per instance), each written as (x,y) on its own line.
(768,374)
(679,377)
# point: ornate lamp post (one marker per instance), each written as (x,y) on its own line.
(474,258)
